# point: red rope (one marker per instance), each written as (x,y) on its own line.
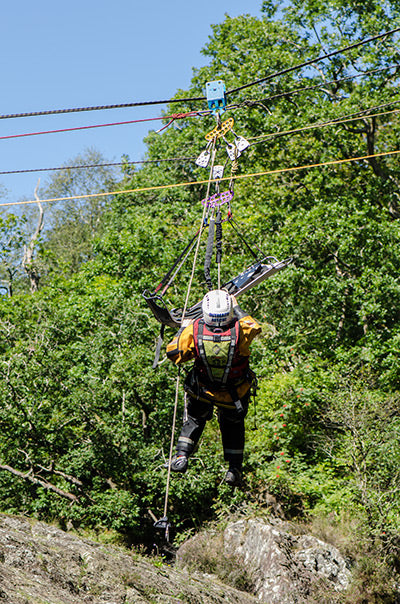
(174,116)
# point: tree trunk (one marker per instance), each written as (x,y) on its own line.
(28,263)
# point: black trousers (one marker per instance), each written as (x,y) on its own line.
(231,424)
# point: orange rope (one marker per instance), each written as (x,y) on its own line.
(202,182)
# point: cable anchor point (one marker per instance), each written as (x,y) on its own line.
(216,96)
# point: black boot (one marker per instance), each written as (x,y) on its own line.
(179,463)
(233,477)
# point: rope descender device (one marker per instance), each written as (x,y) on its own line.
(234,150)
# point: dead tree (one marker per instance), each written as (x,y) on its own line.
(28,262)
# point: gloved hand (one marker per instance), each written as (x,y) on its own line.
(186,322)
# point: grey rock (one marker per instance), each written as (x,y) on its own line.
(323,560)
(282,568)
(285,566)
(41,564)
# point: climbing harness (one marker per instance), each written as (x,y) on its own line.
(216,350)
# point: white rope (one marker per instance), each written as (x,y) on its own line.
(171,446)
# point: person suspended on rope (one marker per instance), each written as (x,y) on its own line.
(219,343)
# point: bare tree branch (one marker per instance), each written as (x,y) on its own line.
(30,477)
(27,261)
(67,477)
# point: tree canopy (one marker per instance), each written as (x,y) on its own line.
(85,421)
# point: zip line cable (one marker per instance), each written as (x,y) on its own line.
(202,98)
(176,116)
(313,87)
(99,108)
(83,166)
(256,139)
(172,118)
(315,60)
(202,182)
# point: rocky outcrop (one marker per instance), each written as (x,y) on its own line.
(285,569)
(40,564)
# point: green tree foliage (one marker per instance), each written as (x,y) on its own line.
(85,419)
(11,251)
(73,224)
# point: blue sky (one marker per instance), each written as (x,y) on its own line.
(87,53)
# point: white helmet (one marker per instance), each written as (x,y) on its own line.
(217,308)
